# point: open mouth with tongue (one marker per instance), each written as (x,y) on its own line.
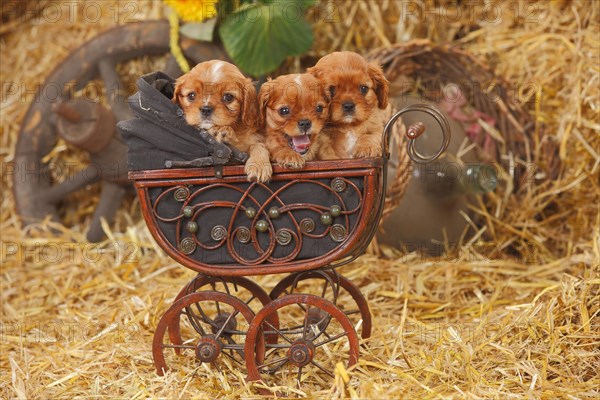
(299,144)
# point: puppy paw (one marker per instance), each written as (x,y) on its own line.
(258,172)
(290,159)
(362,150)
(222,134)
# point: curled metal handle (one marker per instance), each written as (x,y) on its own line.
(416,130)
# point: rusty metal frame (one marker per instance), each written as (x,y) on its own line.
(371,170)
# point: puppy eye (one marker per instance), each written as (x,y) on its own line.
(332,90)
(284,111)
(319,109)
(364,89)
(228,98)
(191,96)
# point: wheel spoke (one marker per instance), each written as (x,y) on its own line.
(233,358)
(177,346)
(275,361)
(324,288)
(286,292)
(301,307)
(278,367)
(112,83)
(234,332)
(205,317)
(275,350)
(316,364)
(305,328)
(233,346)
(59,191)
(238,348)
(331,339)
(292,330)
(194,321)
(299,378)
(233,314)
(108,203)
(279,332)
(277,346)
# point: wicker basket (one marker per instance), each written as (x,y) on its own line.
(429,68)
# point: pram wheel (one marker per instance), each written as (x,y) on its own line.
(327,284)
(210,324)
(314,335)
(239,287)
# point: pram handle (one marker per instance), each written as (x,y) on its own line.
(417,129)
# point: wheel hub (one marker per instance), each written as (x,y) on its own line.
(208,348)
(301,353)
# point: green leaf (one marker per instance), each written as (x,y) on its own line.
(259,37)
(200,30)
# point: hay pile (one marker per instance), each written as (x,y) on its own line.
(77,319)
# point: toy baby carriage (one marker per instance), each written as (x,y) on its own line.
(209,218)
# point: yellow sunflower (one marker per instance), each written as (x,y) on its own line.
(194,10)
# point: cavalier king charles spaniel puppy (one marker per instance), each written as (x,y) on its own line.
(359,96)
(216,96)
(293,109)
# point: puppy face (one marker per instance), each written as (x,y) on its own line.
(296,108)
(356,86)
(216,94)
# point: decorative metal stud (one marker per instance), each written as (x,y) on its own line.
(337,233)
(182,194)
(250,212)
(188,211)
(191,227)
(335,210)
(261,225)
(218,232)
(338,185)
(243,234)
(273,212)
(307,225)
(326,218)
(284,237)
(187,245)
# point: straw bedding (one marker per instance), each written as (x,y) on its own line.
(482,322)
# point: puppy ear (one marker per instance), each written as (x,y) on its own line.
(177,91)
(382,86)
(315,71)
(325,92)
(263,99)
(249,108)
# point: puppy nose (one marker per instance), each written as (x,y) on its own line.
(304,124)
(206,110)
(348,107)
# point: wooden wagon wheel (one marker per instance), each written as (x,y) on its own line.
(317,330)
(327,284)
(213,324)
(241,288)
(87,125)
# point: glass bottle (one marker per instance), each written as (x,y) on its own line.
(431,214)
